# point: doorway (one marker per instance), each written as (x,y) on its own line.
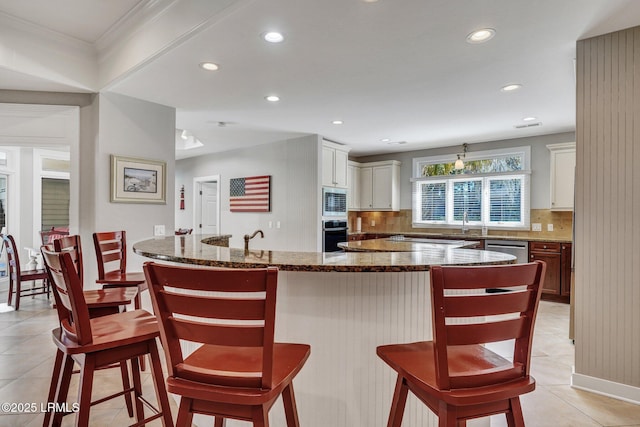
(207,207)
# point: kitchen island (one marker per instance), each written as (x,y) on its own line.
(335,303)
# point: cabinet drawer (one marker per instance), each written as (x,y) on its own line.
(544,247)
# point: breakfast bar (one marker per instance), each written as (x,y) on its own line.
(344,304)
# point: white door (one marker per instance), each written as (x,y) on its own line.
(209,207)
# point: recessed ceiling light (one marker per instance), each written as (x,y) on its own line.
(337,122)
(529,119)
(209,66)
(369,1)
(272,98)
(273,37)
(511,87)
(481,36)
(385,140)
(397,142)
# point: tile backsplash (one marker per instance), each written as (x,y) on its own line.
(400,222)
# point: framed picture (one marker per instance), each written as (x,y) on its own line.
(250,194)
(138,180)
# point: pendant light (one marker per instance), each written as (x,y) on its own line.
(459,165)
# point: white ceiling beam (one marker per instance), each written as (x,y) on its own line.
(153,29)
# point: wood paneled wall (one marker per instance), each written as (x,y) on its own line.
(607,210)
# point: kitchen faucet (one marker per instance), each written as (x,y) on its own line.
(465,221)
(247,238)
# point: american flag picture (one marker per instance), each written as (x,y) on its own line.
(250,194)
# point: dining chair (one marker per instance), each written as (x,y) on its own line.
(50,235)
(96,342)
(19,277)
(239,371)
(100,302)
(456,374)
(111,255)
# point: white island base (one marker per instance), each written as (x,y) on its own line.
(344,316)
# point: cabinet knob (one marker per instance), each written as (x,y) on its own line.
(531,256)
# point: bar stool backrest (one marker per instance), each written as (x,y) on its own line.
(236,310)
(67,289)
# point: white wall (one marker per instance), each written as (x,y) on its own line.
(540,164)
(295,193)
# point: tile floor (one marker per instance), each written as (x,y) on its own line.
(26,358)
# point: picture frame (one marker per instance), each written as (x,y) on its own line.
(138,180)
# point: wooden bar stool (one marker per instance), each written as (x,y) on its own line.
(17,276)
(100,302)
(455,375)
(98,342)
(111,254)
(239,371)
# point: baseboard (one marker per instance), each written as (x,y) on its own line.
(606,388)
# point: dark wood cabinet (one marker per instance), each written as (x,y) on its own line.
(557,282)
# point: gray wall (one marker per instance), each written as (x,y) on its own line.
(607,276)
(295,192)
(540,163)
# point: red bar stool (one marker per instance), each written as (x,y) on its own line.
(239,371)
(98,342)
(455,375)
(100,302)
(111,254)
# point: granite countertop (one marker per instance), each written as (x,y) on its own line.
(470,235)
(404,244)
(190,249)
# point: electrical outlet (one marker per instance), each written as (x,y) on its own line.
(270,224)
(549,227)
(536,226)
(158,230)
(277,224)
(373,222)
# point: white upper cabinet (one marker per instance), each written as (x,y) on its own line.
(380,186)
(334,164)
(563,165)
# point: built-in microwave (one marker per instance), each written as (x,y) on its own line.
(334,201)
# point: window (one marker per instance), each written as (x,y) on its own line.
(492,190)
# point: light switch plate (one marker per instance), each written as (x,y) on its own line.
(536,226)
(158,230)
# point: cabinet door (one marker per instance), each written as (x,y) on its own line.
(328,155)
(552,276)
(382,181)
(563,164)
(366,188)
(340,161)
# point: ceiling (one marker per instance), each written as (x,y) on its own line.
(393,71)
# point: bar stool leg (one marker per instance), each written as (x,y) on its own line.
(124,373)
(84,390)
(158,382)
(62,389)
(137,388)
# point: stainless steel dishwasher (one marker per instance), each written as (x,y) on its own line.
(519,248)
